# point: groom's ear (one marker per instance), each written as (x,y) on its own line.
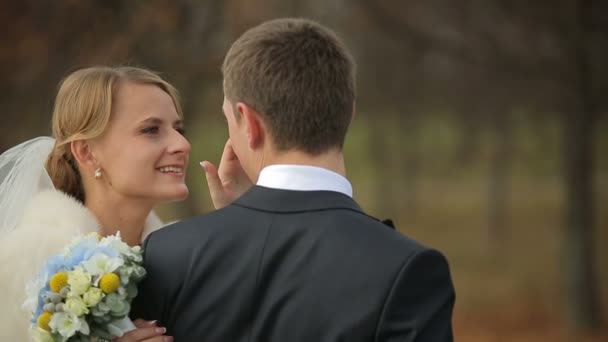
(254,127)
(81,150)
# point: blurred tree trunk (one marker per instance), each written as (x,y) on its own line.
(380,152)
(498,189)
(580,274)
(410,130)
(470,128)
(410,164)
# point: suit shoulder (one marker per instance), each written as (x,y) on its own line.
(225,220)
(383,232)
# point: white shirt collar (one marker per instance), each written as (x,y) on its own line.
(303,178)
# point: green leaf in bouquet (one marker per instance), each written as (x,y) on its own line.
(125,274)
(101,332)
(131,291)
(97,320)
(100,310)
(138,273)
(78,337)
(135,258)
(118,305)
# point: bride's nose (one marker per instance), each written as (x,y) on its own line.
(178,143)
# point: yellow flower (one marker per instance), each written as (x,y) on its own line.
(44,319)
(58,281)
(109,283)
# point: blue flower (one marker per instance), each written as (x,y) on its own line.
(53,265)
(105,250)
(78,254)
(39,309)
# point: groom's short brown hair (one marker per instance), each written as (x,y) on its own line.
(300,77)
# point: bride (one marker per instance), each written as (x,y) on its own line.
(117,151)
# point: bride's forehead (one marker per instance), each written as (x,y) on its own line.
(138,94)
(134,101)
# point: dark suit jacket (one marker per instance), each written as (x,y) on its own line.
(289,266)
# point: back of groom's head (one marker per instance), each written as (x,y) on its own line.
(301,79)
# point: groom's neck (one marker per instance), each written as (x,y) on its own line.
(332,160)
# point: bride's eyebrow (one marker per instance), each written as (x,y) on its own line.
(152,120)
(158,121)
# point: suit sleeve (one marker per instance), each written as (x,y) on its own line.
(150,299)
(420,303)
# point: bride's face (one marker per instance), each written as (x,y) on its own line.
(143,153)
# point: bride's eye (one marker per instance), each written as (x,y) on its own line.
(150,130)
(181,130)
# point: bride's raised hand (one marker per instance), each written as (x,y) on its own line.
(146,331)
(228,181)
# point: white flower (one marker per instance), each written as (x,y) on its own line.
(114,241)
(79,281)
(120,246)
(92,297)
(100,264)
(75,305)
(40,335)
(67,324)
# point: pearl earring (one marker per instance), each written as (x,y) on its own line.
(98,173)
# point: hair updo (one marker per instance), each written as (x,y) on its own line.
(82,110)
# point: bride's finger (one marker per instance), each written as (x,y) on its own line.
(228,153)
(216,189)
(213,178)
(143,334)
(142,323)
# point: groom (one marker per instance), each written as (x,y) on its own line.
(294,258)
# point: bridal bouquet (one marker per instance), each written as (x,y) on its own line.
(86,291)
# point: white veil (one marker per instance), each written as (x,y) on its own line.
(22,175)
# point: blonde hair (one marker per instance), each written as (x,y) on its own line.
(82,110)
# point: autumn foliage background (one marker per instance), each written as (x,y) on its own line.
(481,128)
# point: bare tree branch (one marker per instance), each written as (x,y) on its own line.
(494,60)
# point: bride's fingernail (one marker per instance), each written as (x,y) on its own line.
(203,166)
(152,322)
(167,339)
(160,330)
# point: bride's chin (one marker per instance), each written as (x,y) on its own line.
(179,195)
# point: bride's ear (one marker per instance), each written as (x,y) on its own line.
(81,150)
